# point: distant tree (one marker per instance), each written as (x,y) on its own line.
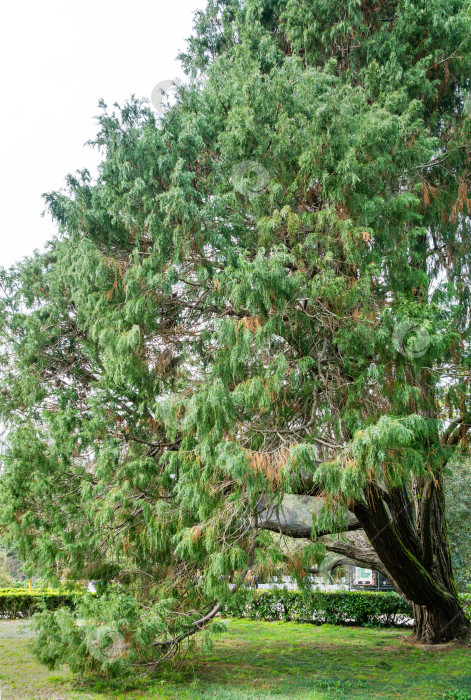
(5,579)
(458,509)
(257,318)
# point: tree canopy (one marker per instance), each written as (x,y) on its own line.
(265,292)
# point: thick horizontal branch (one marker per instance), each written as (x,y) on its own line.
(363,556)
(294,517)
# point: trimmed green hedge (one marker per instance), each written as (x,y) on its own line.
(317,607)
(18,603)
(334,607)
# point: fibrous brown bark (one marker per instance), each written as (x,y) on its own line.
(435,625)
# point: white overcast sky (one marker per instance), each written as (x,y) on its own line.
(58,59)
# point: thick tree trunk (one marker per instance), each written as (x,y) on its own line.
(417,556)
(435,625)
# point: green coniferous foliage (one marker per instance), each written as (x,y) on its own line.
(263,298)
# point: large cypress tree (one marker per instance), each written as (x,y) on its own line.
(262,300)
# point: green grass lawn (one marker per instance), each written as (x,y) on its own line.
(262,661)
